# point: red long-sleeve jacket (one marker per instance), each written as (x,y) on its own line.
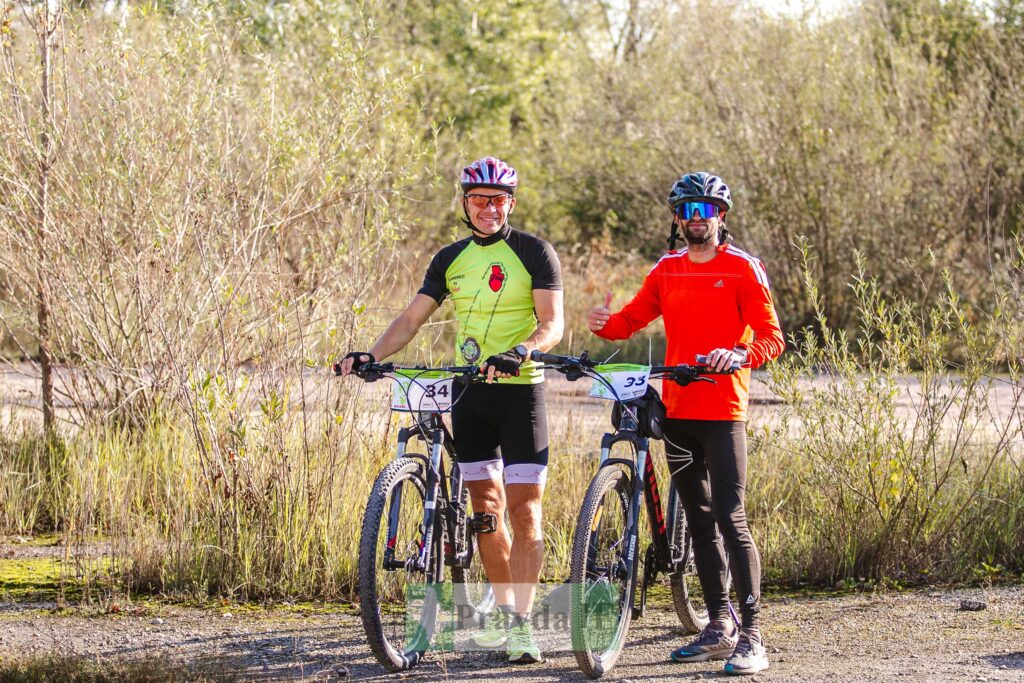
(723,303)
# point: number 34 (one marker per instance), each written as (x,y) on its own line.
(435,390)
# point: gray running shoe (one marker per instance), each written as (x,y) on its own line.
(711,643)
(750,656)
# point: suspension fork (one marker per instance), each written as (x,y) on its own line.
(633,520)
(395,506)
(430,498)
(431,494)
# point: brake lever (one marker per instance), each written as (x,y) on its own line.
(574,373)
(466,379)
(684,380)
(378,372)
(366,377)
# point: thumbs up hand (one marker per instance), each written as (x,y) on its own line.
(598,316)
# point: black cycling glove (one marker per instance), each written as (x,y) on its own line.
(356,363)
(507,362)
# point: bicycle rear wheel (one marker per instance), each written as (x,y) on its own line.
(601,606)
(398,607)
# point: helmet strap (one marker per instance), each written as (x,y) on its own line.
(673,236)
(472,228)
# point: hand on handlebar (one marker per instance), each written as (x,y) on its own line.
(502,365)
(724,360)
(352,362)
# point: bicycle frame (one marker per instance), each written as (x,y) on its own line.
(442,493)
(642,462)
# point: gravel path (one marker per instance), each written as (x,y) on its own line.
(919,636)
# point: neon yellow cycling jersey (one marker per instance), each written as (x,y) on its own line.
(491,282)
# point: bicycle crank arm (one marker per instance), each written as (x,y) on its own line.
(648,580)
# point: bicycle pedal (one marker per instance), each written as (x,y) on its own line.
(483,523)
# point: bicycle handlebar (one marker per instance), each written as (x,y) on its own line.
(370,372)
(552,359)
(577,367)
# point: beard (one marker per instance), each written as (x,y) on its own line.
(697,240)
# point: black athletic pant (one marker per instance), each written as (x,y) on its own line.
(708,463)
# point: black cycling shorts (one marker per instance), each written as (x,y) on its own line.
(501,428)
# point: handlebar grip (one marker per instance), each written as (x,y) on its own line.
(337,369)
(703,360)
(546,358)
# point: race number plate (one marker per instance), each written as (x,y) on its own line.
(628,380)
(417,391)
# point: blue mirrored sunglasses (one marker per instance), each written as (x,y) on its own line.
(688,210)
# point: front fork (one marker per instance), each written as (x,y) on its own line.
(433,489)
(420,561)
(633,522)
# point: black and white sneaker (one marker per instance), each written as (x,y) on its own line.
(749,656)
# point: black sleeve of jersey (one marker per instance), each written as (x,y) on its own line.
(540,260)
(435,283)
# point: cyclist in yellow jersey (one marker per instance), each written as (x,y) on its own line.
(506,287)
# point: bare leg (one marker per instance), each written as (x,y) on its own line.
(489,496)
(524,508)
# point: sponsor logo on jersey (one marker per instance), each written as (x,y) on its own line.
(470,350)
(720,283)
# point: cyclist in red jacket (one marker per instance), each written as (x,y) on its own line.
(715,301)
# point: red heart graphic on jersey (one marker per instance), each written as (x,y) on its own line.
(497,278)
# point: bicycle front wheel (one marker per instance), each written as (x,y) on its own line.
(603,582)
(398,605)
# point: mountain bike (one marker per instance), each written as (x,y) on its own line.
(417,523)
(604,567)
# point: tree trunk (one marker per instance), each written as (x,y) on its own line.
(47,28)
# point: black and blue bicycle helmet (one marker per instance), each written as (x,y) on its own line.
(700,187)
